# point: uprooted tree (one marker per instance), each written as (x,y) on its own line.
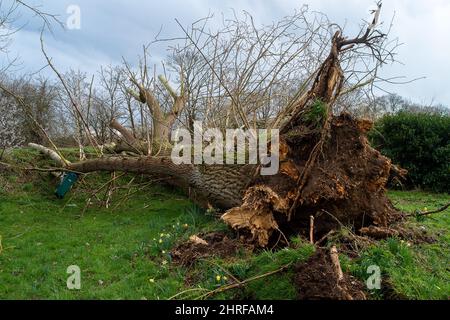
(328,170)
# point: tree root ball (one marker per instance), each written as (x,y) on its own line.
(345,186)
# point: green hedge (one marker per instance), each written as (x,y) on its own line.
(418,142)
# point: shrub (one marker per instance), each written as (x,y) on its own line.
(418,142)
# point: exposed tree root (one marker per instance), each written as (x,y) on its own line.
(379,232)
(347,181)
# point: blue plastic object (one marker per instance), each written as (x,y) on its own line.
(66,184)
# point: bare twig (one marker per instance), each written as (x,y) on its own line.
(311,229)
(242,283)
(94,143)
(425,213)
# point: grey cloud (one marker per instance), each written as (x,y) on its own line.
(112,29)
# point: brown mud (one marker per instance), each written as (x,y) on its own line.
(316,279)
(219,245)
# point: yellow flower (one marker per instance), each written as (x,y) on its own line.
(225,278)
(425,209)
(185,225)
(160,241)
(151,280)
(218,278)
(163,252)
(162,235)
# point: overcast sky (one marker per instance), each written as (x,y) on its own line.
(115,28)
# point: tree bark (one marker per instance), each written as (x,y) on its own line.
(128,143)
(162,121)
(219,186)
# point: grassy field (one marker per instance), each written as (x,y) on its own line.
(123,251)
(414,271)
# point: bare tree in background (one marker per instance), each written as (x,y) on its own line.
(10,122)
(112,99)
(164,103)
(75,96)
(19,120)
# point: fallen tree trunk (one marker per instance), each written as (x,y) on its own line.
(50,153)
(219,186)
(328,170)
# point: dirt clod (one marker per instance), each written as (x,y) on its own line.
(219,245)
(316,279)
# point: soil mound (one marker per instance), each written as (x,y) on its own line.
(217,244)
(316,279)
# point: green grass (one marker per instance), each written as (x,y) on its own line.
(118,249)
(123,251)
(276,286)
(412,271)
(118,252)
(411,201)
